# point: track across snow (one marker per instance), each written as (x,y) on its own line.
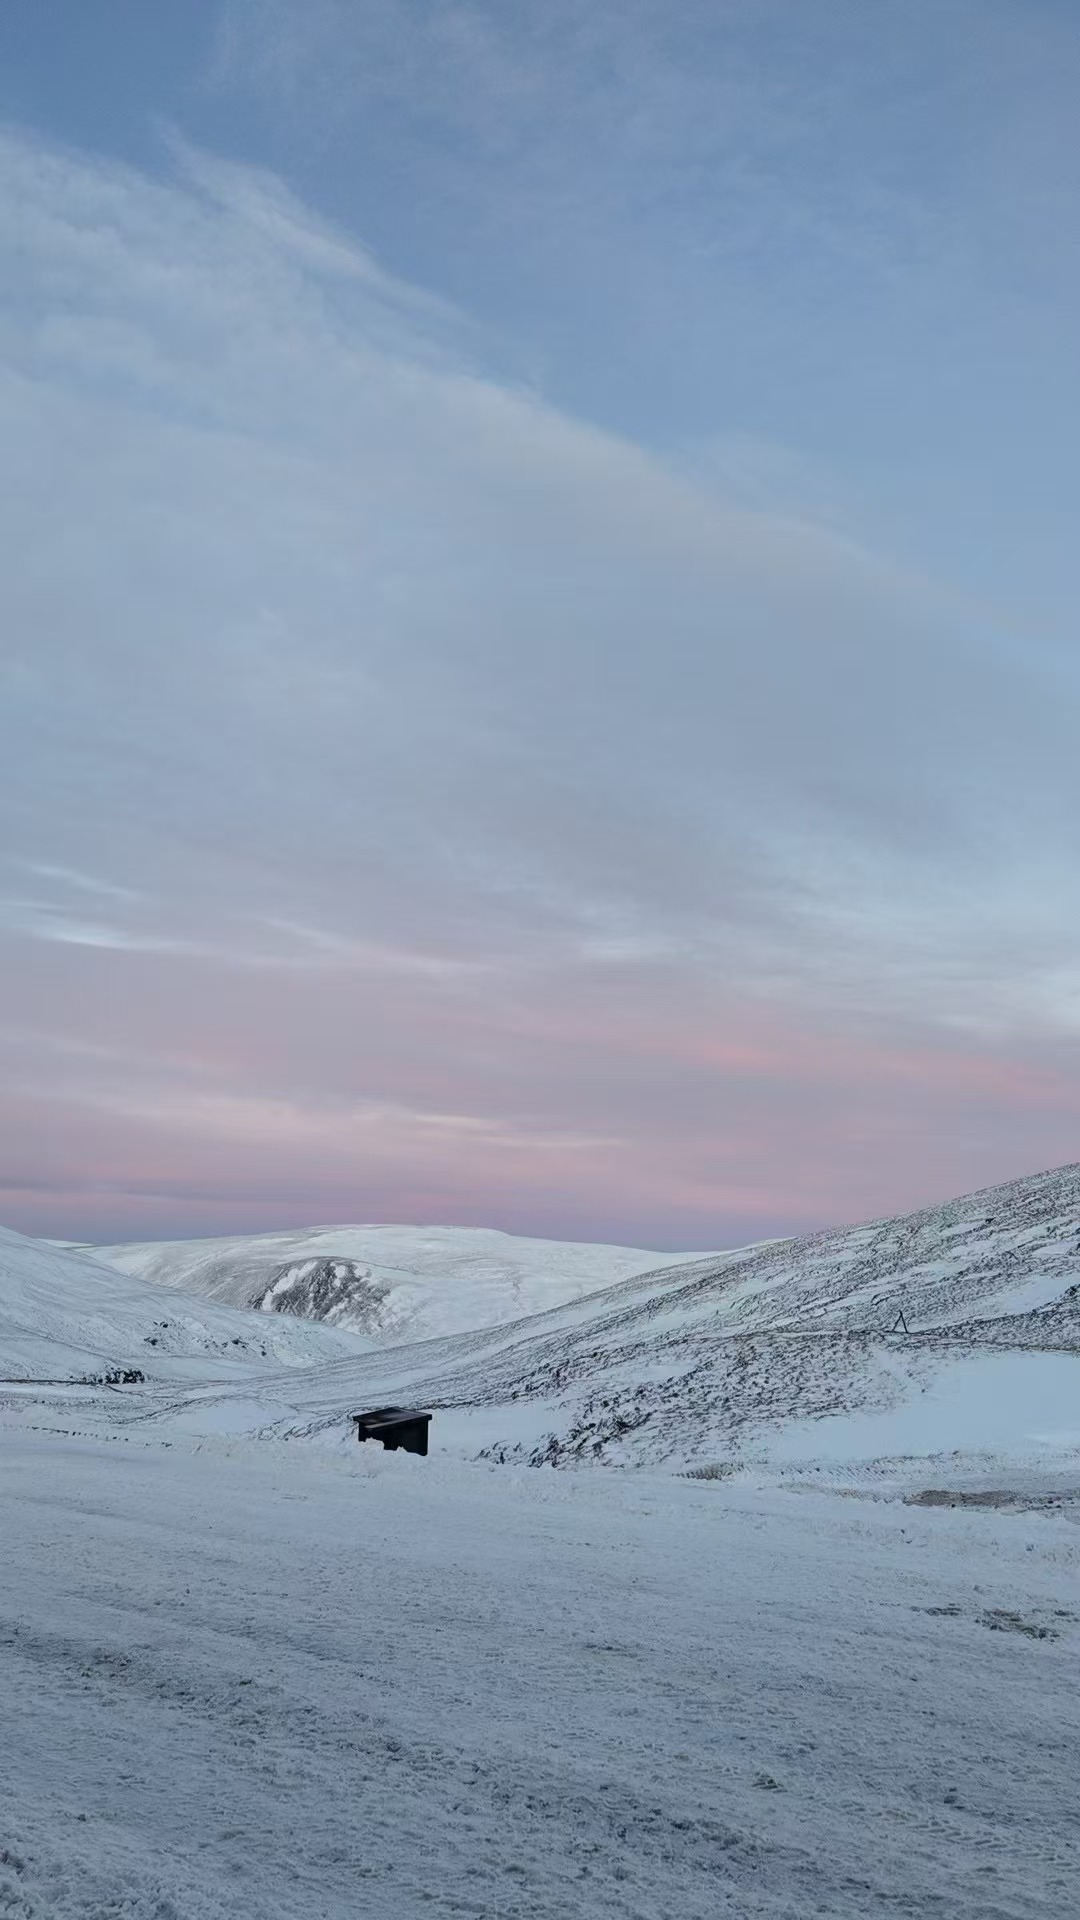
(258,1683)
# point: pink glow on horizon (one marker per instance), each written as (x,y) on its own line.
(639,1126)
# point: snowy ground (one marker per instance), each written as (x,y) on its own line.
(279,1681)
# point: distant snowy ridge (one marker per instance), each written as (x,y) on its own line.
(388,1283)
(64,1315)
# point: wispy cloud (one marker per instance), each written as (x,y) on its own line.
(43,920)
(66,877)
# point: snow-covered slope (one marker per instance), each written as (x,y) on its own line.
(715,1359)
(389,1283)
(63,1315)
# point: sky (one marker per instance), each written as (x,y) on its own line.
(538,661)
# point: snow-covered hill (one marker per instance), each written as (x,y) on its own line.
(781,1352)
(388,1283)
(63,1315)
(775,1355)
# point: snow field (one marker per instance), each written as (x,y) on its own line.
(255,1682)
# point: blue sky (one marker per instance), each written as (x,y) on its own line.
(540,666)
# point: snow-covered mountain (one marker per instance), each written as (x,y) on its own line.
(63,1315)
(784,1352)
(388,1283)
